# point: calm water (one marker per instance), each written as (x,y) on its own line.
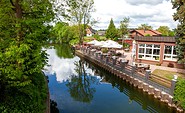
(80,87)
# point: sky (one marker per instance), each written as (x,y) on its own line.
(152,12)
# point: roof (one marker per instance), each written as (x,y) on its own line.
(155,39)
(146,32)
(92,30)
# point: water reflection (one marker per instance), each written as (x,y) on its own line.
(64,51)
(135,95)
(53,107)
(80,85)
(62,68)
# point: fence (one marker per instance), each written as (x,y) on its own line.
(131,70)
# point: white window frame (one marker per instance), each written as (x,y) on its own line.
(171,55)
(152,54)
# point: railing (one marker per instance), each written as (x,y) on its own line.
(153,80)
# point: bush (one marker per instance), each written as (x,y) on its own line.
(179,93)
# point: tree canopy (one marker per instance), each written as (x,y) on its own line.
(179,5)
(111,31)
(24,29)
(124,30)
(165,30)
(79,12)
(145,27)
(179,16)
(64,33)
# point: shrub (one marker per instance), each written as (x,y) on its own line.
(179,93)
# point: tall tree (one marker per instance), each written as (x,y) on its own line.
(165,30)
(124,30)
(111,31)
(179,5)
(79,12)
(145,27)
(179,16)
(24,28)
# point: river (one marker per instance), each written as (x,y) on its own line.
(80,87)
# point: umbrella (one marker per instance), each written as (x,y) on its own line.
(93,42)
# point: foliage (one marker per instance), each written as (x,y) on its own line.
(64,33)
(80,85)
(171,33)
(147,35)
(124,30)
(165,30)
(24,29)
(53,107)
(179,16)
(28,99)
(111,31)
(179,93)
(97,37)
(64,51)
(79,13)
(145,27)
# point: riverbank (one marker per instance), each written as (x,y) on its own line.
(159,92)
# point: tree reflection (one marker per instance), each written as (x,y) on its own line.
(64,51)
(53,107)
(80,86)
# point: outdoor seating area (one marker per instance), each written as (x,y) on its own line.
(141,67)
(140,71)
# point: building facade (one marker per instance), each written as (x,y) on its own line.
(157,51)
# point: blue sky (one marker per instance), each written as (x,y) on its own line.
(152,12)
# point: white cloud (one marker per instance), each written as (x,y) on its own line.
(64,69)
(155,12)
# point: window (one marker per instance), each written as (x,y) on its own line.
(170,53)
(149,51)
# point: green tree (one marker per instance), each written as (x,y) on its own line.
(23,30)
(179,16)
(164,30)
(79,13)
(171,33)
(111,31)
(124,30)
(64,33)
(145,27)
(64,51)
(179,5)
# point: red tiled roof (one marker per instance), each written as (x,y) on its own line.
(146,32)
